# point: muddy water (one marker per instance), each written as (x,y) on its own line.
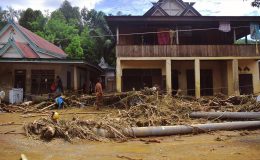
(215,146)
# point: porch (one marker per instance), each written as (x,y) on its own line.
(194,76)
(36,78)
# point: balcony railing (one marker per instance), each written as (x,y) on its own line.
(186,51)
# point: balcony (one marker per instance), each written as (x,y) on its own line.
(186,51)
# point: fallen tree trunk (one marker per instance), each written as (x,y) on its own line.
(48,107)
(181,129)
(226,115)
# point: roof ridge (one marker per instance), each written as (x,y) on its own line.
(40,42)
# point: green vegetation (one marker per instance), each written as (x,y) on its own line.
(80,33)
(243,41)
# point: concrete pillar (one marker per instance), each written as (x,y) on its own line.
(118,75)
(168,76)
(255,73)
(233,77)
(75,78)
(197,77)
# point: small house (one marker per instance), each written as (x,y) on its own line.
(30,62)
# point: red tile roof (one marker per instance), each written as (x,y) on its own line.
(40,42)
(27,51)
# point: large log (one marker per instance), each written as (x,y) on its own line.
(181,129)
(226,115)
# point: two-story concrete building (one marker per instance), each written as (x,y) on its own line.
(172,45)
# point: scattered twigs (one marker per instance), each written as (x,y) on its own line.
(128,158)
(10,123)
(74,113)
(148,141)
(140,109)
(33,115)
(9,132)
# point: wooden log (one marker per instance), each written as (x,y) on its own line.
(226,115)
(48,133)
(10,123)
(40,104)
(38,115)
(48,107)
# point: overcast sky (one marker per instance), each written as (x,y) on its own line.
(139,7)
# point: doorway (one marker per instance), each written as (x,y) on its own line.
(140,78)
(20,79)
(246,83)
(190,82)
(206,83)
(175,81)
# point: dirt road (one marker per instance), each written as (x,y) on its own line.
(232,145)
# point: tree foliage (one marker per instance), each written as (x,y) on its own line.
(58,31)
(81,34)
(74,48)
(32,20)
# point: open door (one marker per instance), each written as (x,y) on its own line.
(190,82)
(246,83)
(175,81)
(20,79)
(206,83)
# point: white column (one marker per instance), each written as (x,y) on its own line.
(118,75)
(235,76)
(168,76)
(197,77)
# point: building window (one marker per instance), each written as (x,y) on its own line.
(41,81)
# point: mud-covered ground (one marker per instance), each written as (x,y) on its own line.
(233,145)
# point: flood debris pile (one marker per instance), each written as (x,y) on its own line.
(139,109)
(243,103)
(27,107)
(47,129)
(148,110)
(70,100)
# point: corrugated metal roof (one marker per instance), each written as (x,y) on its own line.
(40,42)
(27,51)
